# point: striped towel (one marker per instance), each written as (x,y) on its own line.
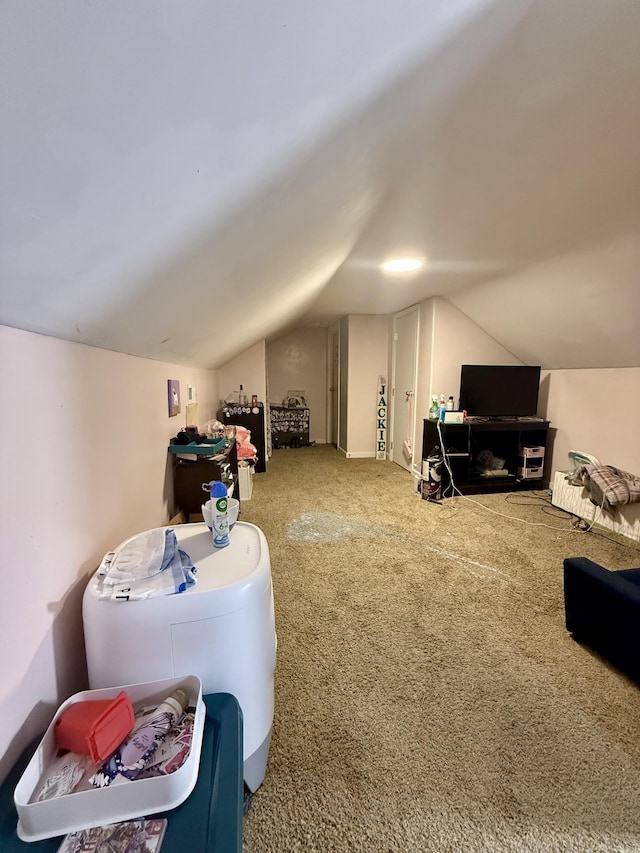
(608,487)
(147,565)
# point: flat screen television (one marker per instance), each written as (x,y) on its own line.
(499,390)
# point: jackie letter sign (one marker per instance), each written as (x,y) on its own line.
(381,419)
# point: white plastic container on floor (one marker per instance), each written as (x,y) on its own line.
(222,628)
(122,801)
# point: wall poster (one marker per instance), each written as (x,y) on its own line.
(173,386)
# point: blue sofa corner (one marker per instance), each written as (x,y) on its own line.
(602,610)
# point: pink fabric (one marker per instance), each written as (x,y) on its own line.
(245,449)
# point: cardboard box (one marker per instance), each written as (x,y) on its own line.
(245,481)
(119,801)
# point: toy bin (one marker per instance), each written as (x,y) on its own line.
(123,799)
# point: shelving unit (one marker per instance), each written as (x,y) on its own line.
(502,438)
(253,419)
(189,475)
(289,426)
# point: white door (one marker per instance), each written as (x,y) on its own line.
(334,355)
(405,345)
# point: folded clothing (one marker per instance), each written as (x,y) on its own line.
(141,556)
(147,565)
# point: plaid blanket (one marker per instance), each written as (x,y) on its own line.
(608,487)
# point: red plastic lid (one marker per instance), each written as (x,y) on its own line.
(96,727)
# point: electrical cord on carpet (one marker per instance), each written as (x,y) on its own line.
(585,526)
(527,500)
(581,525)
(542,501)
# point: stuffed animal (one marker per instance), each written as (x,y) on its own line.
(245,449)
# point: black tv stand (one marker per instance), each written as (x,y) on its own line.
(462,443)
(501,419)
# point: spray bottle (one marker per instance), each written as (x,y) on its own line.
(442,406)
(219,514)
(434,411)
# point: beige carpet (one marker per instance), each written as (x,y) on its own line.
(428,697)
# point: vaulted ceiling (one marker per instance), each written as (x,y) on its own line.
(182,180)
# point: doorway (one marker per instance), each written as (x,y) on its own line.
(334,382)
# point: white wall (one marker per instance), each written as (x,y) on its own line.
(84,461)
(368,359)
(457,340)
(129,170)
(596,411)
(299,361)
(449,339)
(578,403)
(247,369)
(553,313)
(579,398)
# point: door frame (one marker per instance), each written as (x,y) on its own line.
(333,383)
(413,309)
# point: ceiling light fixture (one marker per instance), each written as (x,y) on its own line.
(402,265)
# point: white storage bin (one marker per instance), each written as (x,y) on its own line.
(530,472)
(119,801)
(531,451)
(245,481)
